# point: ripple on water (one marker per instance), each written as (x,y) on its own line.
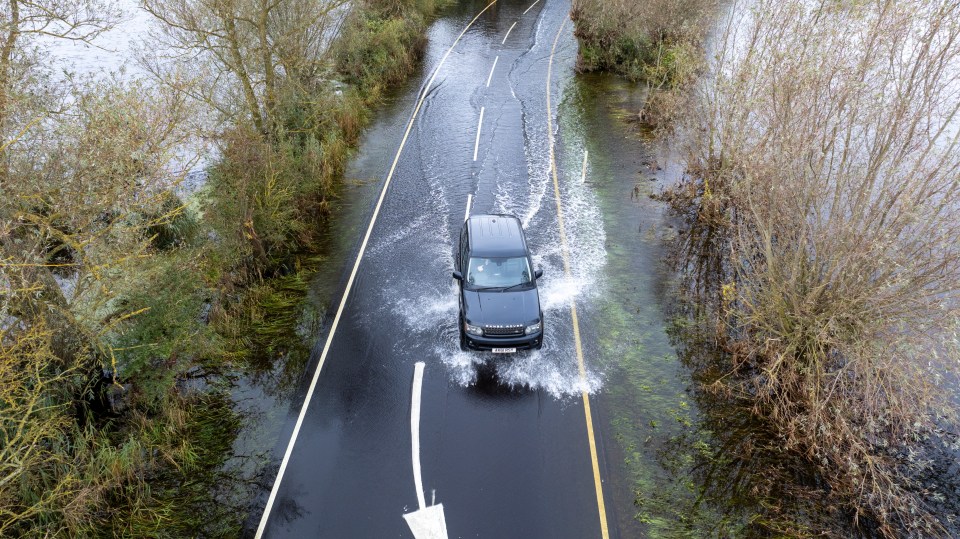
(433,316)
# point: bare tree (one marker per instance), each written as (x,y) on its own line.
(22,21)
(247,51)
(823,153)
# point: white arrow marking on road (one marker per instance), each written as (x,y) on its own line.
(426,522)
(415,430)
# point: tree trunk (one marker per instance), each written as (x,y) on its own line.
(230,24)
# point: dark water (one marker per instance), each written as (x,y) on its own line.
(505,453)
(673,477)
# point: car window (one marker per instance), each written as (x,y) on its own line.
(464,246)
(498,271)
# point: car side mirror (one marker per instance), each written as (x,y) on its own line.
(537,274)
(458,276)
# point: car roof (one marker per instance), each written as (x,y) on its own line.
(496,235)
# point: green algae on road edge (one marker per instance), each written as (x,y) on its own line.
(649,404)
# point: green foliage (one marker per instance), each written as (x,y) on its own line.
(262,323)
(153,498)
(171,226)
(147,473)
(379,51)
(268,197)
(652,40)
(125,432)
(658,42)
(168,336)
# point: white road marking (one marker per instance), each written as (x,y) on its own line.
(415,430)
(583,173)
(466,215)
(490,77)
(261,528)
(508,33)
(476,145)
(427,522)
(564,251)
(531,6)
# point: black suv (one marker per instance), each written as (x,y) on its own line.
(499,303)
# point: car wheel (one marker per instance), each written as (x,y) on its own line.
(539,345)
(463,339)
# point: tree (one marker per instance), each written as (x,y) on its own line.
(247,51)
(23,21)
(81,197)
(823,156)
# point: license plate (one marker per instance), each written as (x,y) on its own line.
(504,350)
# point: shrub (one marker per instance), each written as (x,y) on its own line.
(823,212)
(657,41)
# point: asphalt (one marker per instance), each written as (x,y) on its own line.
(506,450)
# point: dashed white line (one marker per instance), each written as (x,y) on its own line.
(583,173)
(466,214)
(265,516)
(476,145)
(531,6)
(490,77)
(508,33)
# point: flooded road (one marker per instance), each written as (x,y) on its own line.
(504,443)
(506,451)
(506,459)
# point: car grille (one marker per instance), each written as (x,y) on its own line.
(502,331)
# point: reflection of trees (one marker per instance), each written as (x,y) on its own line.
(746,483)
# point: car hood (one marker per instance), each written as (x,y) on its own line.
(510,308)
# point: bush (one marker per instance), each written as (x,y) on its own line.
(376,51)
(656,41)
(822,208)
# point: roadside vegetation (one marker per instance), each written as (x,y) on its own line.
(126,304)
(820,246)
(656,42)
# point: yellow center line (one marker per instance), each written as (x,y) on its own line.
(346,293)
(601,507)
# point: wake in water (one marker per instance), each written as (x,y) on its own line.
(430,314)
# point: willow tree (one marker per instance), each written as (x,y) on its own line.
(86,171)
(823,157)
(241,54)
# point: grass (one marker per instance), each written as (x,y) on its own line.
(655,42)
(137,446)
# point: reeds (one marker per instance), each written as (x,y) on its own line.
(823,214)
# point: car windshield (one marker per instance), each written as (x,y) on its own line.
(498,272)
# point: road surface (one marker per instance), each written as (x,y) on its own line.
(507,452)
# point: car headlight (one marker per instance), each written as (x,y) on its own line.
(533,328)
(473,330)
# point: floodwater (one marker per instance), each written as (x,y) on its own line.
(505,452)
(522,426)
